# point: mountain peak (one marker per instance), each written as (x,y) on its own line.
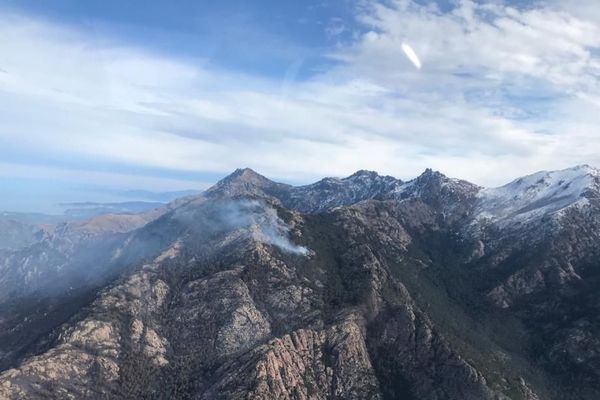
(243,181)
(434,179)
(430,173)
(361,173)
(245,174)
(541,193)
(584,169)
(580,175)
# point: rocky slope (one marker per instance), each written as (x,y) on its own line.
(16,235)
(365,287)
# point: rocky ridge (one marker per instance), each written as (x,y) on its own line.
(363,287)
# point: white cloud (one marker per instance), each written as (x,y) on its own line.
(492,40)
(468,111)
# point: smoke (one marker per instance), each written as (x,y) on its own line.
(277,239)
(72,265)
(255,218)
(263,223)
(274,231)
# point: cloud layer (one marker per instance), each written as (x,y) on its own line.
(501,91)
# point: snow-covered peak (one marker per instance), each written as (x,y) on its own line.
(363,174)
(432,182)
(539,194)
(333,192)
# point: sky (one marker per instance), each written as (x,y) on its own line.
(101,98)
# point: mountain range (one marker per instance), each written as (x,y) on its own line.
(365,287)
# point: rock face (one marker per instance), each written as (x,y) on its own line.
(365,287)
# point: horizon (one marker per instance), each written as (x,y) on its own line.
(101,98)
(59,209)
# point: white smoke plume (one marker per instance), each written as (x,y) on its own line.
(257,218)
(267,226)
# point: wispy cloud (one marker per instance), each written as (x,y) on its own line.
(468,111)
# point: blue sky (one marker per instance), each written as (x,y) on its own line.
(99,97)
(267,39)
(259,37)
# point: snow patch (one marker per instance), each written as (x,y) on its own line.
(538,194)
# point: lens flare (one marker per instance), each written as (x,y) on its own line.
(411,55)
